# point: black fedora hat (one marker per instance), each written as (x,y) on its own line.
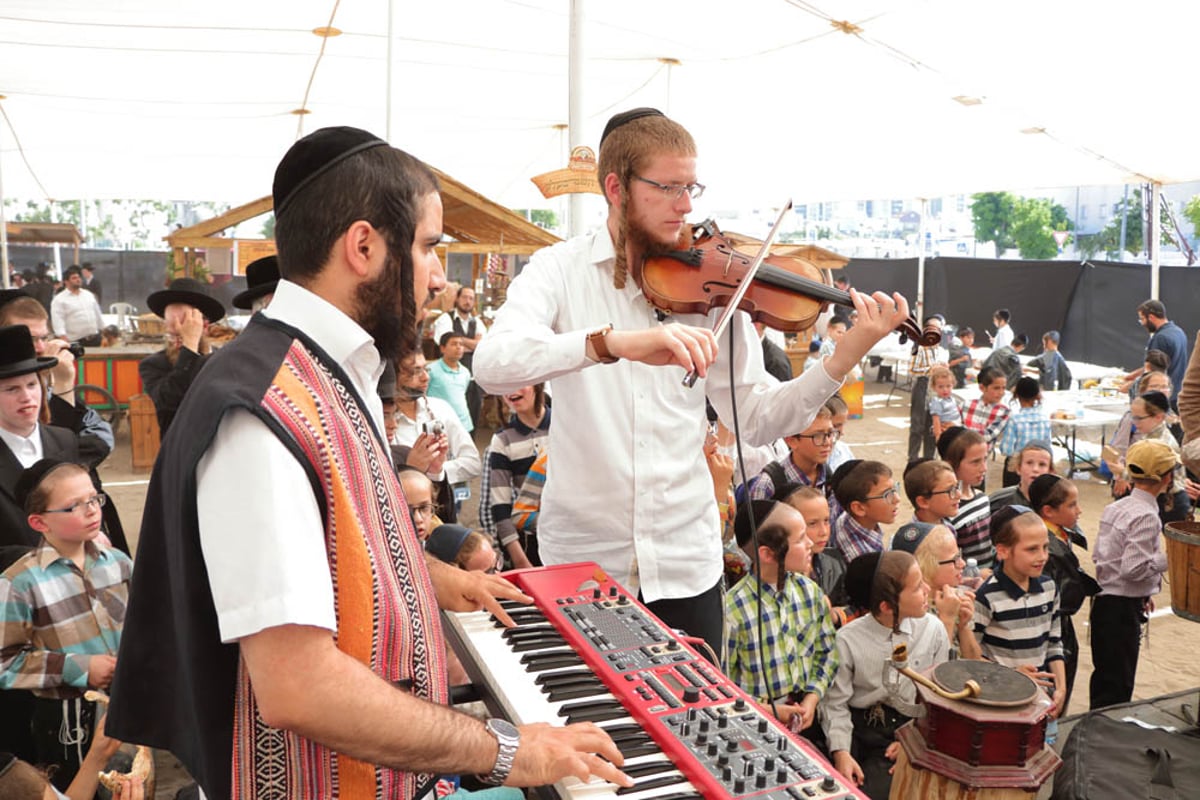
(17,356)
(189,291)
(262,276)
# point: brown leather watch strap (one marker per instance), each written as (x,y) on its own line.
(597,341)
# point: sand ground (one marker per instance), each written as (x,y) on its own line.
(1169,653)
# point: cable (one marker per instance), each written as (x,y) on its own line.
(21,150)
(755,562)
(313,75)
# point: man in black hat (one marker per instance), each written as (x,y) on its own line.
(25,439)
(262,276)
(283,636)
(648,515)
(91,282)
(75,312)
(188,310)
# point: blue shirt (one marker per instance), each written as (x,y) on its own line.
(451,386)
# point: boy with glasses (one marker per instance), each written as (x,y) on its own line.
(805,463)
(62,608)
(869,498)
(934,491)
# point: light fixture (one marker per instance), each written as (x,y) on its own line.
(846,26)
(299,112)
(1033,130)
(327,31)
(967,100)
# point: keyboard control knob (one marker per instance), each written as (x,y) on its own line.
(769,763)
(760,782)
(723,721)
(685,730)
(691,695)
(704,723)
(829,784)
(739,785)
(701,737)
(763,725)
(739,704)
(673,645)
(723,761)
(596,593)
(727,774)
(781,776)
(748,769)
(712,749)
(731,745)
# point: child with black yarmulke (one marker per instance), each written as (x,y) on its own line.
(867,702)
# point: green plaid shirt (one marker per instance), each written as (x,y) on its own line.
(54,617)
(801,654)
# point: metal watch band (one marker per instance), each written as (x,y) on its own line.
(508,740)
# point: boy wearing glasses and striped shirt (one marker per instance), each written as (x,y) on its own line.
(62,608)
(934,491)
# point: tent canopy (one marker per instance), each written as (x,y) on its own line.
(842,99)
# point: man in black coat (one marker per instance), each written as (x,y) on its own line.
(188,310)
(92,283)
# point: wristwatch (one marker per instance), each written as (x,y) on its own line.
(509,738)
(596,341)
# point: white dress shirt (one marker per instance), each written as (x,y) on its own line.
(445,323)
(464,462)
(260,526)
(629,487)
(75,316)
(26,449)
(1003,338)
(864,678)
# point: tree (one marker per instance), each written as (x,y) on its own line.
(268,226)
(1191,212)
(1108,240)
(1033,225)
(992,214)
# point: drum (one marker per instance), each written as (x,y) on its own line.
(995,740)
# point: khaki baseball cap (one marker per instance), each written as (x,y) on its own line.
(1150,459)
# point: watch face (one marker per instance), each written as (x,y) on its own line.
(503,727)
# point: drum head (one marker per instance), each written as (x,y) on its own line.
(999,686)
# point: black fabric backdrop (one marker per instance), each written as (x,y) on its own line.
(1093,304)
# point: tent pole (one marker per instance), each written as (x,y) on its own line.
(5,280)
(1152,236)
(575,108)
(387,100)
(919,309)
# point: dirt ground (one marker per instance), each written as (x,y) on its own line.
(1169,653)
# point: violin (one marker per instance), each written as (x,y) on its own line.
(785,293)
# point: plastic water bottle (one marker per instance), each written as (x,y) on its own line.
(971,576)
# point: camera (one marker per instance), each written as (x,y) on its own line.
(434,428)
(75,349)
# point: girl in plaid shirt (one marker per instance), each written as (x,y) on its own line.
(62,607)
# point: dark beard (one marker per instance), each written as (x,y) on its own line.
(381,314)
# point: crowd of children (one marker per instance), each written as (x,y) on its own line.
(818,595)
(1024,537)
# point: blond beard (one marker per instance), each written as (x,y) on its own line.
(643,247)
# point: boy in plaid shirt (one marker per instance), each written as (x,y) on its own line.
(988,414)
(798,657)
(62,607)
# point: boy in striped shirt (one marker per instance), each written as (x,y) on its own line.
(62,607)
(1017,619)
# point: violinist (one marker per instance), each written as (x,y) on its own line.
(628,487)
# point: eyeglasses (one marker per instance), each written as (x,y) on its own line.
(1136,418)
(675,190)
(424,510)
(954,492)
(889,495)
(824,437)
(958,557)
(97,500)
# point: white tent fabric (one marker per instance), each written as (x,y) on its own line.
(190,100)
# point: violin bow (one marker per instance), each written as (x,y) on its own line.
(726,315)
